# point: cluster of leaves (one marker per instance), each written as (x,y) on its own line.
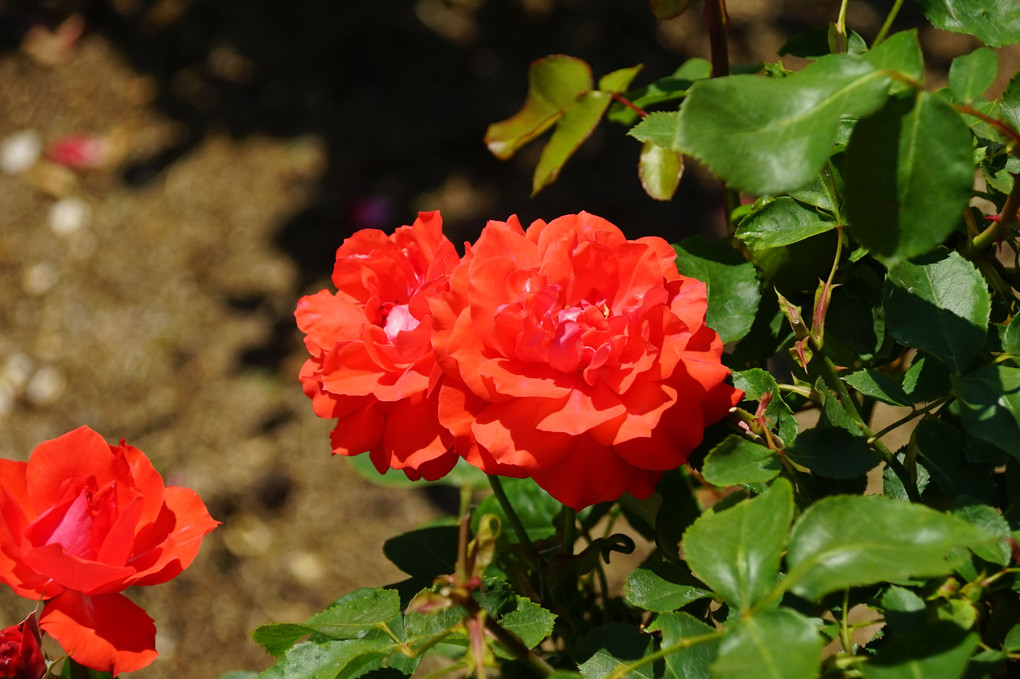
(889,213)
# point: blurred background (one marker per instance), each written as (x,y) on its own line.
(174,174)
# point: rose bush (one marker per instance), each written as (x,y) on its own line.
(82,521)
(372,367)
(21,656)
(577,357)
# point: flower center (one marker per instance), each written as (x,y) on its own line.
(80,522)
(395,319)
(584,336)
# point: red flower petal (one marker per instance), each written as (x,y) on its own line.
(108,633)
(593,473)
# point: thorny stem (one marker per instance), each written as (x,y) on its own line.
(884,31)
(1007,218)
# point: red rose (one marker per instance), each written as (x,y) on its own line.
(21,657)
(577,357)
(82,521)
(372,367)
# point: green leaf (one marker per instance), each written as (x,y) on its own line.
(736,551)
(940,449)
(990,405)
(353,615)
(909,172)
(667,9)
(576,124)
(1009,105)
(989,521)
(619,80)
(900,52)
(662,587)
(427,552)
(690,662)
(996,23)
(1012,641)
(903,610)
(660,170)
(878,386)
(329,660)
(833,453)
(971,74)
(939,304)
(775,644)
(845,541)
(780,222)
(755,383)
(529,621)
(768,136)
(554,82)
(1011,336)
(737,461)
(733,291)
(937,651)
(276,639)
(424,629)
(606,648)
(926,380)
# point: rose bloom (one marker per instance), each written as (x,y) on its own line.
(21,656)
(372,367)
(83,520)
(577,357)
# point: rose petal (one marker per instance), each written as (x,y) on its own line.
(108,633)
(179,548)
(593,473)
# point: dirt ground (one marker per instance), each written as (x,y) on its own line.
(152,297)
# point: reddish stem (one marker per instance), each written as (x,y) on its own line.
(629,104)
(715,18)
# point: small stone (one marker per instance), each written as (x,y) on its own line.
(46,386)
(17,369)
(40,279)
(19,151)
(246,535)
(69,216)
(307,568)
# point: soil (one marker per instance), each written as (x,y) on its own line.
(152,297)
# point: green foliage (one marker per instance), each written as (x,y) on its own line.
(767,135)
(993,22)
(857,274)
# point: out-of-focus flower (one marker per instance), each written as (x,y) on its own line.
(80,522)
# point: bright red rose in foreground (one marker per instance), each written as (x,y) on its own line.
(577,357)
(372,367)
(21,657)
(83,520)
